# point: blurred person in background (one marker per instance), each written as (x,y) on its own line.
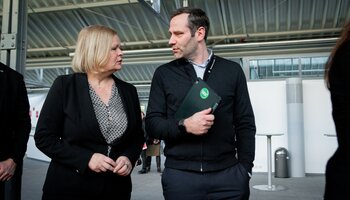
(144,158)
(152,147)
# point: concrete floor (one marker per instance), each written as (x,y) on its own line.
(148,186)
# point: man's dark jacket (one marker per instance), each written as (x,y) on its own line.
(232,137)
(14,118)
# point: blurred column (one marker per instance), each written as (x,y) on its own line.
(295,119)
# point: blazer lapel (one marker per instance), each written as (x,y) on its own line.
(86,110)
(124,95)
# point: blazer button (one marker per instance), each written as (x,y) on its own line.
(77,171)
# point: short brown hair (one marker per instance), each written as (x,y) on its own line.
(196,18)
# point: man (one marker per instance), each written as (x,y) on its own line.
(208,155)
(15,128)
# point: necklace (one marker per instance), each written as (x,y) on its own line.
(98,86)
(95,85)
(100,83)
(101,86)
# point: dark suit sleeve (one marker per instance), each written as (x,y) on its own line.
(245,124)
(22,124)
(158,125)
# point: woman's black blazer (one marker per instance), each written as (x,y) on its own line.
(68,132)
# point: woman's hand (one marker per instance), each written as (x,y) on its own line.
(101,163)
(7,169)
(123,167)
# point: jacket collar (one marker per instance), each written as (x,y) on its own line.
(189,70)
(85,104)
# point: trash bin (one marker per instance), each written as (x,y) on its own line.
(281,163)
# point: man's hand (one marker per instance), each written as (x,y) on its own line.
(200,122)
(7,169)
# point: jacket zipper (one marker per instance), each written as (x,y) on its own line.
(201,155)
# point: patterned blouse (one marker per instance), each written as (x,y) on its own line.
(111,117)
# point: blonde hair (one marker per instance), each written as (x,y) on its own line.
(92,49)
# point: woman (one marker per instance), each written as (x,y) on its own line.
(90,124)
(337,79)
(153,149)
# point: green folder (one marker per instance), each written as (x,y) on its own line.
(198,98)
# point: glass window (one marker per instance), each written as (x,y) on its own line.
(281,68)
(313,67)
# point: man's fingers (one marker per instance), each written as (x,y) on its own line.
(206,111)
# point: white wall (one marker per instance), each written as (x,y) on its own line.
(318,121)
(36,101)
(269,103)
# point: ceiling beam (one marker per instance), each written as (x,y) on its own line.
(231,50)
(72,6)
(210,39)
